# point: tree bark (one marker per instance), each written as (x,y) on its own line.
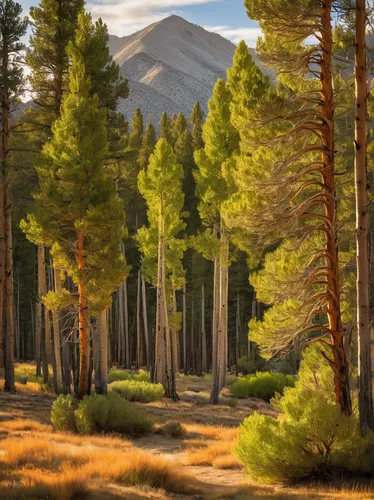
(42,290)
(101,353)
(8,298)
(145,322)
(184,330)
(57,336)
(204,364)
(339,362)
(83,324)
(362,225)
(139,347)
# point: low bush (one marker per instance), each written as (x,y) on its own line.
(263,385)
(172,429)
(132,390)
(311,439)
(98,413)
(62,414)
(117,374)
(247,366)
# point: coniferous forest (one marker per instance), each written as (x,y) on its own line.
(206,279)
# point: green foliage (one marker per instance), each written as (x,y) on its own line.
(196,120)
(311,438)
(232,402)
(117,374)
(247,366)
(133,390)
(263,385)
(75,188)
(110,413)
(62,413)
(172,429)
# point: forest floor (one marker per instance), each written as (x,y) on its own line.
(38,462)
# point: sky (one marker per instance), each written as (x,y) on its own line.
(123,17)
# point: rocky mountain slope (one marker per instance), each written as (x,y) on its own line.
(170,65)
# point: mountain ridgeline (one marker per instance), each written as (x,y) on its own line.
(170,65)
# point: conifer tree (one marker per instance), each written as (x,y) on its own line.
(303,178)
(165,127)
(148,146)
(162,251)
(196,120)
(12,29)
(75,189)
(214,185)
(53,27)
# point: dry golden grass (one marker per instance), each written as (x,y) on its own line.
(227,462)
(63,471)
(213,431)
(24,425)
(29,387)
(30,451)
(210,454)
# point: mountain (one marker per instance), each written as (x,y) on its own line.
(170,65)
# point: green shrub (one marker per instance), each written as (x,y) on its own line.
(132,390)
(311,438)
(62,414)
(232,402)
(124,418)
(249,366)
(172,429)
(263,385)
(92,414)
(98,413)
(117,374)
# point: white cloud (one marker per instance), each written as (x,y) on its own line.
(124,17)
(249,35)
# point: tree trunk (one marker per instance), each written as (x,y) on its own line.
(145,323)
(362,226)
(204,364)
(215,389)
(339,362)
(42,290)
(101,353)
(237,333)
(8,298)
(57,336)
(2,262)
(139,346)
(83,325)
(184,330)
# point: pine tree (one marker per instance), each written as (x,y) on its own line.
(75,189)
(162,251)
(165,127)
(304,183)
(196,120)
(214,185)
(53,27)
(12,29)
(91,42)
(148,146)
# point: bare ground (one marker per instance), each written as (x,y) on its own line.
(206,426)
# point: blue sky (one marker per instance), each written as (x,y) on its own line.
(123,17)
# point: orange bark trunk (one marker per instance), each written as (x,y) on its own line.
(83,325)
(339,363)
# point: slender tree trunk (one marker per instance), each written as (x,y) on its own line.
(139,349)
(2,259)
(184,330)
(145,322)
(204,364)
(42,290)
(174,334)
(84,327)
(159,366)
(101,353)
(215,389)
(339,361)
(57,336)
(8,298)
(362,225)
(237,333)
